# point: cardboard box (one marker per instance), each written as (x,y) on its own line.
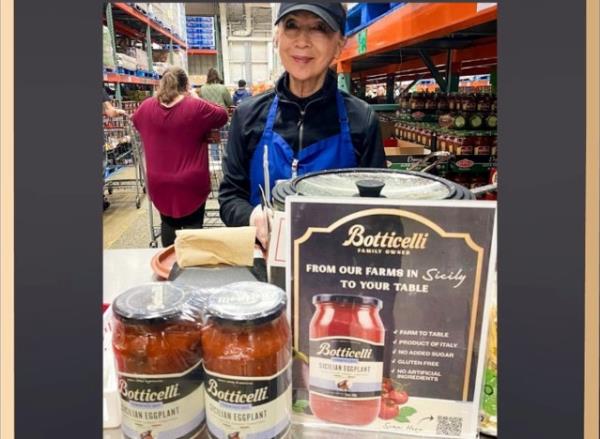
(197,79)
(405,148)
(160,55)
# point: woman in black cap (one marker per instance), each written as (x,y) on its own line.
(305,124)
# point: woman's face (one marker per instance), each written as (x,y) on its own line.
(307,45)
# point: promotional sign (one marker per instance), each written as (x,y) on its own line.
(388,305)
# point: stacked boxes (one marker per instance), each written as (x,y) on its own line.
(108,60)
(171,16)
(200,32)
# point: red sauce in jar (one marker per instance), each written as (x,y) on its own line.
(157,347)
(247,362)
(346,330)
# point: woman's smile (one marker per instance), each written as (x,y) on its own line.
(302,59)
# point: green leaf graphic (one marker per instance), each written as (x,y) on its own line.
(300,405)
(404,413)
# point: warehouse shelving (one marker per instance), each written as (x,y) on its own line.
(414,41)
(131,17)
(129,21)
(418,40)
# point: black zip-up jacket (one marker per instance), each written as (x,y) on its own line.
(301,122)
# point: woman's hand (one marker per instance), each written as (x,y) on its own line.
(261,219)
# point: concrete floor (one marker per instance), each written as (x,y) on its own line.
(126,226)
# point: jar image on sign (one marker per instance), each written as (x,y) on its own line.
(346,338)
(157,346)
(247,362)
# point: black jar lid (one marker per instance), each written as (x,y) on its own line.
(246,302)
(347,299)
(153,302)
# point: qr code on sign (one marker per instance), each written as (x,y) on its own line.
(449,425)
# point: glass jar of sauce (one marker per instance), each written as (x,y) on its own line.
(427,135)
(484,103)
(247,362)
(417,101)
(468,102)
(442,102)
(463,145)
(451,143)
(404,101)
(453,101)
(441,142)
(346,337)
(482,145)
(157,346)
(430,101)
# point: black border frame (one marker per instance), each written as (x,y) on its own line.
(58,254)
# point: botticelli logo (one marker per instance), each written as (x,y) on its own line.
(326,350)
(242,298)
(238,390)
(149,389)
(166,393)
(237,396)
(358,237)
(346,349)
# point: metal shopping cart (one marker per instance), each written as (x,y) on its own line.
(218,140)
(123,169)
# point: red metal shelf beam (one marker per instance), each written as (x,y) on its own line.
(128,79)
(413,23)
(157,27)
(201,52)
(470,57)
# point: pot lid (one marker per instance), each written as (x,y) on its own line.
(405,185)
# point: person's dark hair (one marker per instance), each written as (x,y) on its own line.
(173,83)
(241,83)
(212,77)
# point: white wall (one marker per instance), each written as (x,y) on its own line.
(249,34)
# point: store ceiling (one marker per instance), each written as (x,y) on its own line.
(208,8)
(212,8)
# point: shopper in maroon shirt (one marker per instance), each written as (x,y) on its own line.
(174,126)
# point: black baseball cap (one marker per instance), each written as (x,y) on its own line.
(333,14)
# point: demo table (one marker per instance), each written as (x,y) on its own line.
(124,269)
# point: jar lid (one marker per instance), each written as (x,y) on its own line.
(347,299)
(152,301)
(246,302)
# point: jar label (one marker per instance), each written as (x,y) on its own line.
(482,150)
(168,406)
(242,407)
(464,150)
(346,367)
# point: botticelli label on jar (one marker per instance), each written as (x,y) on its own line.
(168,406)
(346,367)
(243,407)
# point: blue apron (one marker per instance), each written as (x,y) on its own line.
(331,153)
